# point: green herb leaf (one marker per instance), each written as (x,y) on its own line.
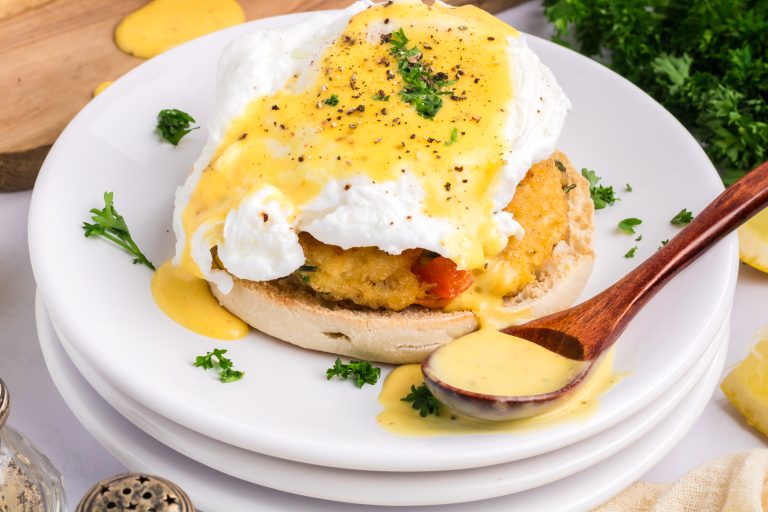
(227,373)
(363,372)
(568,188)
(110,225)
(560,166)
(422,400)
(628,225)
(333,100)
(601,196)
(628,188)
(173,125)
(682,218)
(639,238)
(631,253)
(454,137)
(423,88)
(663,243)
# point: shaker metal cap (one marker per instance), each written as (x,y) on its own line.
(5,403)
(135,491)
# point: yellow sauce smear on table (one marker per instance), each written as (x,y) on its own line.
(188,300)
(163,24)
(493,363)
(100,88)
(400,418)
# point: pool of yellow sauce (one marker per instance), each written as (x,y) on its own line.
(163,24)
(493,363)
(295,141)
(188,300)
(400,418)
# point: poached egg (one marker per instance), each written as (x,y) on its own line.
(313,133)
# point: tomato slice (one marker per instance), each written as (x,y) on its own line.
(448,281)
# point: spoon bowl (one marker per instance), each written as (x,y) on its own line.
(497,407)
(584,332)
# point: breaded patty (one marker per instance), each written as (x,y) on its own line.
(370,277)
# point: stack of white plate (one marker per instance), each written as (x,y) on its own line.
(126,369)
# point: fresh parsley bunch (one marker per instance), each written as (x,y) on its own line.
(705,60)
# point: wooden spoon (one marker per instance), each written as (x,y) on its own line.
(585,331)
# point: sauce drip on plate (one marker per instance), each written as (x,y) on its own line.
(188,300)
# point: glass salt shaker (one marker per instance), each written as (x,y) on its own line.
(28,480)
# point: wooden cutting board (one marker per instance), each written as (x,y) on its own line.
(53,53)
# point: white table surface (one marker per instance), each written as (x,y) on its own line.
(38,410)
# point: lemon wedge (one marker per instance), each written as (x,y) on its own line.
(753,241)
(747,385)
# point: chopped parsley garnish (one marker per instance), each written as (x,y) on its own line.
(333,100)
(682,218)
(663,243)
(363,372)
(454,137)
(423,88)
(628,188)
(560,166)
(380,96)
(601,196)
(628,225)
(631,252)
(568,188)
(227,373)
(639,238)
(308,268)
(173,124)
(110,225)
(422,400)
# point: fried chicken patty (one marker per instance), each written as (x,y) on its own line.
(370,277)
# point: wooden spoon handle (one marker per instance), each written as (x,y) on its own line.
(727,212)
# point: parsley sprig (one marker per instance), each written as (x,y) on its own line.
(227,372)
(110,225)
(601,196)
(173,125)
(363,372)
(682,218)
(423,88)
(422,399)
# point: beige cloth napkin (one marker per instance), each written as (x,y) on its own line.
(733,483)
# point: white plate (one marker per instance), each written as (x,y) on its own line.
(385,488)
(284,407)
(214,491)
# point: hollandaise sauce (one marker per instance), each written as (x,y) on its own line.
(490,362)
(100,88)
(188,300)
(399,417)
(163,24)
